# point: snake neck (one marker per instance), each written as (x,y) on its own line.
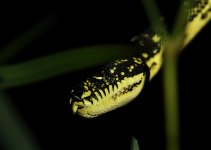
(198,17)
(151,48)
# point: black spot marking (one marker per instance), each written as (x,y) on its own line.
(113,85)
(203,16)
(126,90)
(199,5)
(101,95)
(153,64)
(104,92)
(145,44)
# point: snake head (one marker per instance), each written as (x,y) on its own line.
(117,84)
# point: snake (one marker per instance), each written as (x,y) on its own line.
(121,81)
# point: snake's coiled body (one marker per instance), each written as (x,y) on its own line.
(119,82)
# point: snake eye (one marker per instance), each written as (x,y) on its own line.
(105,78)
(108,79)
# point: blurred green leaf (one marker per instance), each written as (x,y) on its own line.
(155,18)
(9,51)
(60,63)
(14,135)
(134,144)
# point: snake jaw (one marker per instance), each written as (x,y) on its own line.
(76,106)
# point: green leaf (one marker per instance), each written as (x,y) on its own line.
(134,144)
(14,135)
(60,63)
(155,18)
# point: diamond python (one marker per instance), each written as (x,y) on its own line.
(121,81)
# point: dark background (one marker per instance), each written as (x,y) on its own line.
(44,105)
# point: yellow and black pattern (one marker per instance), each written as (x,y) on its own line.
(119,82)
(151,50)
(198,17)
(116,85)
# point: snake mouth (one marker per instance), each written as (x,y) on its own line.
(76,103)
(106,100)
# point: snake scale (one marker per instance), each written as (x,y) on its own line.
(121,81)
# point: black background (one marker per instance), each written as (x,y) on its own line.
(44,105)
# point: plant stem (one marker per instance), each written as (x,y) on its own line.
(171,97)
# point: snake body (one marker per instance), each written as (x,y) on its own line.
(121,81)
